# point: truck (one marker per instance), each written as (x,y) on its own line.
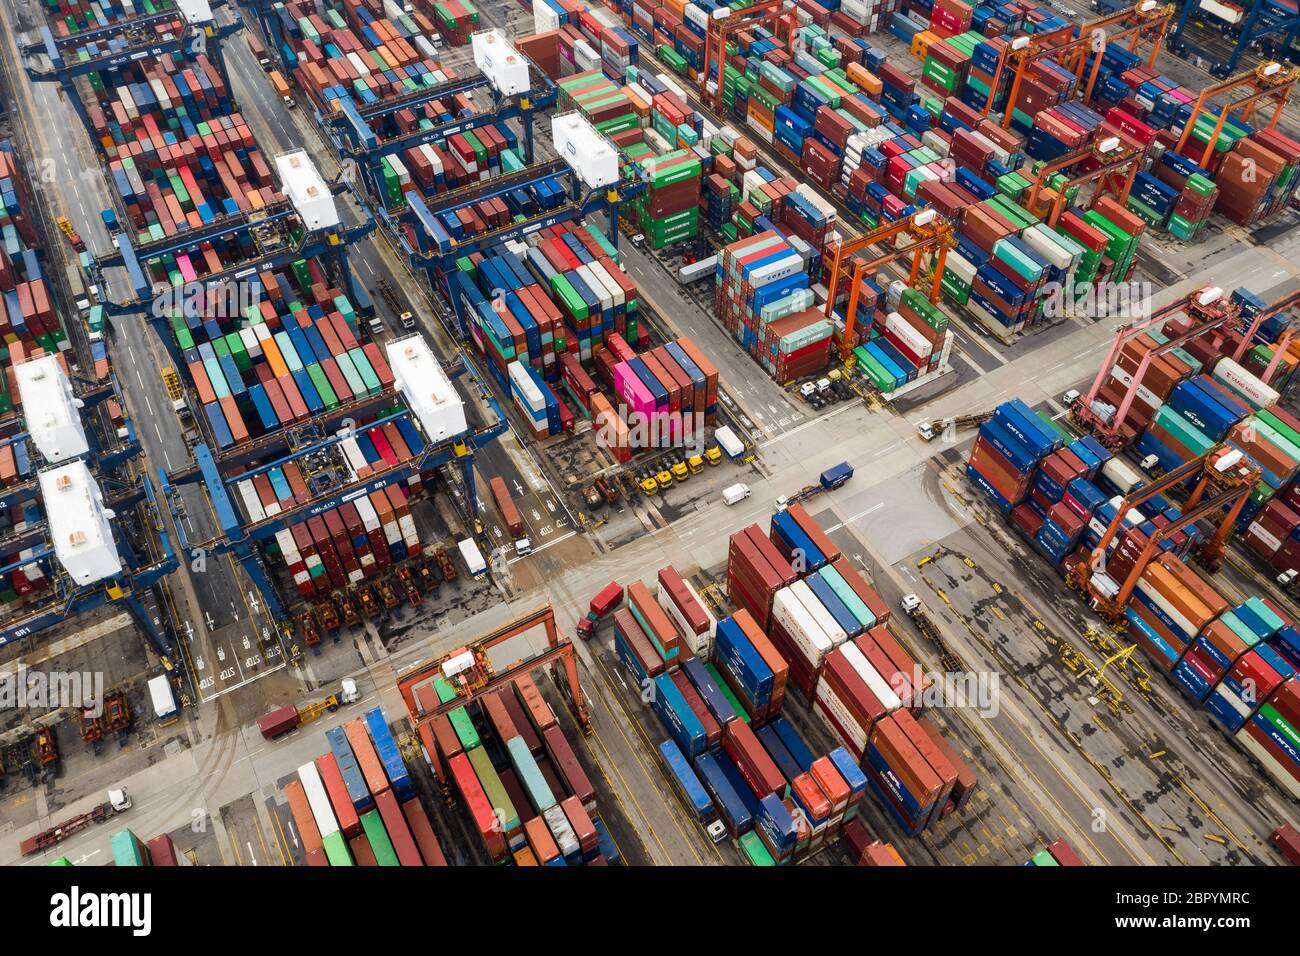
(407,321)
(732,446)
(119,801)
(163,700)
(930,430)
(109,218)
(506,505)
(610,597)
(736,493)
(473,558)
(828,480)
(258,50)
(281,86)
(172,382)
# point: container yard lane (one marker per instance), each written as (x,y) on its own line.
(223,629)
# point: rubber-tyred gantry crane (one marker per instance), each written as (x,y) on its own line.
(1147,21)
(1269,82)
(469,671)
(1117,167)
(769,14)
(1224,479)
(928,232)
(1279,348)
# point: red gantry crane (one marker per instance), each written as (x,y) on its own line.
(1224,479)
(926,231)
(470,672)
(768,14)
(1117,166)
(1208,309)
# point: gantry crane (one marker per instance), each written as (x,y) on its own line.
(1070,47)
(1224,479)
(469,670)
(1117,166)
(1262,18)
(928,232)
(768,14)
(1208,309)
(1279,347)
(1268,82)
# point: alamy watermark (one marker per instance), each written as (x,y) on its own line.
(24,689)
(1102,300)
(631,428)
(224,299)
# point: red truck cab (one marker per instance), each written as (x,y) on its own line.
(610,597)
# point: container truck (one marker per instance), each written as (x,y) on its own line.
(259,51)
(734,494)
(282,89)
(506,505)
(610,597)
(692,791)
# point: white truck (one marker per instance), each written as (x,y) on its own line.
(736,493)
(473,558)
(163,700)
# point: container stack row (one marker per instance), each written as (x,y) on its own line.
(1064,494)
(347,545)
(352,50)
(356,804)
(296,354)
(510,763)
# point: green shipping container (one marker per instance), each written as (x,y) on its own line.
(336,850)
(380,845)
(732,699)
(755,850)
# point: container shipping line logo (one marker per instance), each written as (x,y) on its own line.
(44,691)
(224,299)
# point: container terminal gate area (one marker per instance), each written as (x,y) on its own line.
(623,433)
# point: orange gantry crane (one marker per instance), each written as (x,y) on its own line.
(1145,22)
(769,14)
(1117,166)
(469,671)
(1224,479)
(926,231)
(1269,82)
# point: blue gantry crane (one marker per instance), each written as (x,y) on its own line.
(351,127)
(71,459)
(1270,25)
(125,41)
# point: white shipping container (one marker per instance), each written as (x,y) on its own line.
(959,266)
(318,800)
(802,627)
(874,680)
(1283,775)
(472,557)
(162,698)
(1042,240)
(1151,591)
(825,620)
(1121,474)
(1245,384)
(913,339)
(252,503)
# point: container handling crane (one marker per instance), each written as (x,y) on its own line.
(926,232)
(769,14)
(1261,19)
(1224,478)
(469,670)
(1208,309)
(1116,166)
(1268,82)
(1071,45)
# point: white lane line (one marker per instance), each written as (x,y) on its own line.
(861,514)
